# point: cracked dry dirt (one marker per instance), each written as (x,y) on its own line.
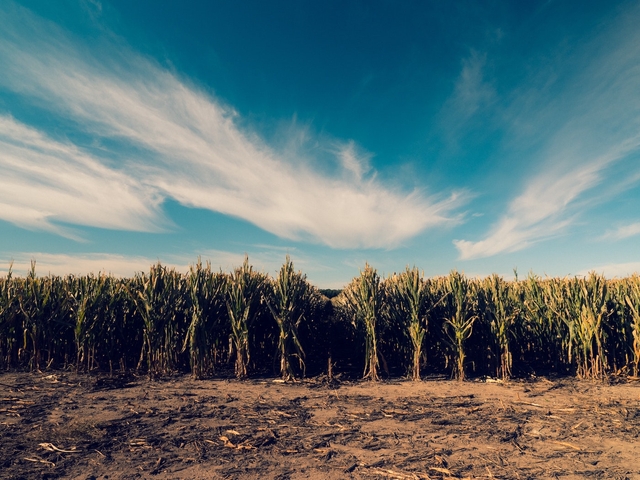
(61,425)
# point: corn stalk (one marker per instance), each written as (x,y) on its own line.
(8,328)
(92,297)
(42,303)
(559,299)
(502,311)
(362,300)
(593,298)
(243,297)
(458,324)
(407,296)
(582,305)
(117,331)
(632,298)
(543,331)
(207,294)
(287,301)
(159,298)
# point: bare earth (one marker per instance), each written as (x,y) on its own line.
(63,425)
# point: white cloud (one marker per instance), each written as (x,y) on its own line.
(353,161)
(583,122)
(624,231)
(540,211)
(181,143)
(44,182)
(472,93)
(263,258)
(613,270)
(83,264)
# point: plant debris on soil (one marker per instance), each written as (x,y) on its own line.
(63,425)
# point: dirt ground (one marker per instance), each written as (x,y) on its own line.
(62,425)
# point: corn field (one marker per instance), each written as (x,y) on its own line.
(246,323)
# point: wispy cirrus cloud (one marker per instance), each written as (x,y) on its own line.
(472,90)
(623,231)
(45,182)
(353,161)
(584,121)
(472,94)
(170,139)
(545,208)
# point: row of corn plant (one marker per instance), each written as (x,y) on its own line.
(209,322)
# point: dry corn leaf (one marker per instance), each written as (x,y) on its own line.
(40,460)
(577,425)
(247,447)
(441,470)
(399,475)
(52,448)
(227,442)
(284,414)
(565,444)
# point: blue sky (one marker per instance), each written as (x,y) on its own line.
(478,136)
